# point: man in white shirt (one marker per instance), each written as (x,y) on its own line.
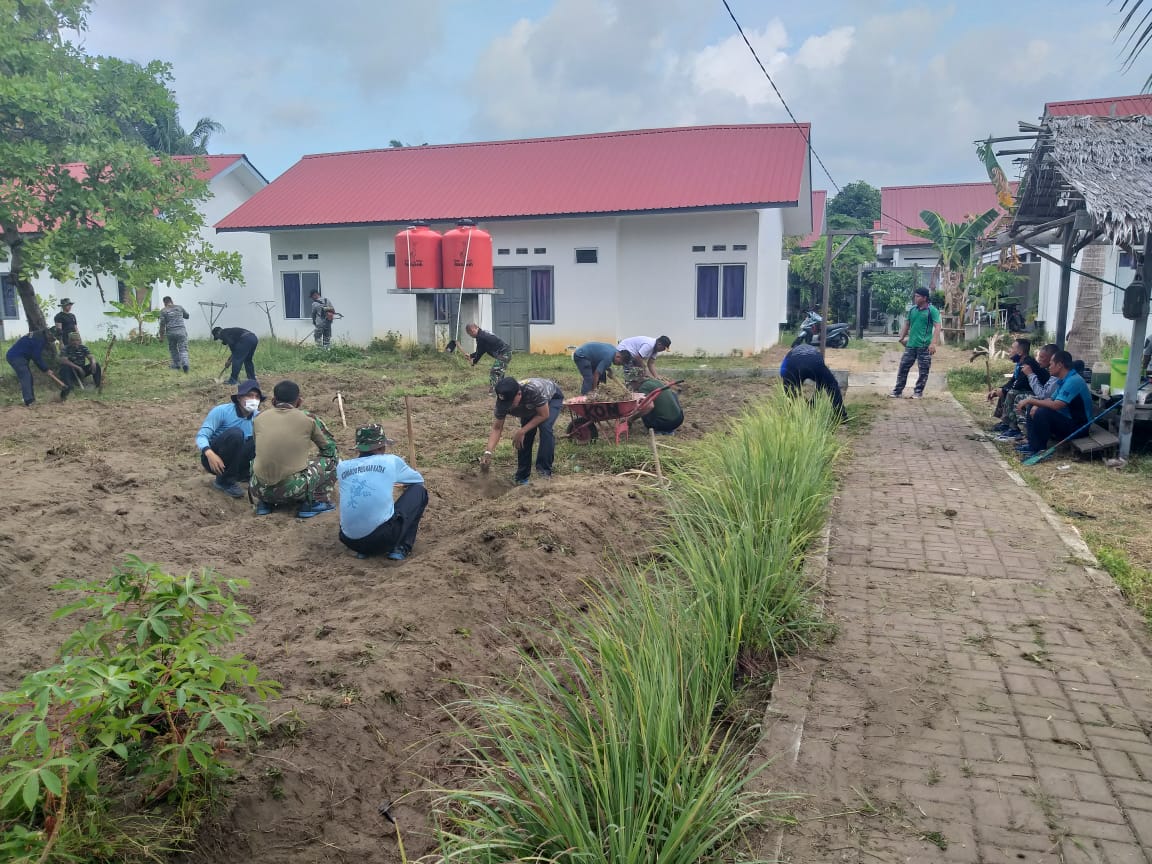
(370,523)
(643,350)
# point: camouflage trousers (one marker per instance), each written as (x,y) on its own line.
(1011,417)
(313,485)
(499,368)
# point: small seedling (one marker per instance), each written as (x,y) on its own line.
(936,838)
(933,776)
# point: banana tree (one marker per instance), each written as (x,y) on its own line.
(959,246)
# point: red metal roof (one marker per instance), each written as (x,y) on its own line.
(819,199)
(617,172)
(954,201)
(1117,106)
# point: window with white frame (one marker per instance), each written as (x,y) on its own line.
(297,290)
(1125,273)
(720,290)
(9,307)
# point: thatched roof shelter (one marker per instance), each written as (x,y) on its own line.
(1099,164)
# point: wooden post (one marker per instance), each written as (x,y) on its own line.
(340,402)
(104,366)
(411,440)
(1068,253)
(655,454)
(1135,361)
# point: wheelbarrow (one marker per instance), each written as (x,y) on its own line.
(586,415)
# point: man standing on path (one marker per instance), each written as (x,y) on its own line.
(494,347)
(172,318)
(225,439)
(322,314)
(537,403)
(919,336)
(595,361)
(66,321)
(370,523)
(643,350)
(804,363)
(1069,409)
(242,343)
(296,457)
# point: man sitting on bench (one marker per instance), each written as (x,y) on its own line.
(1069,409)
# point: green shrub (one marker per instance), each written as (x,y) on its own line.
(139,703)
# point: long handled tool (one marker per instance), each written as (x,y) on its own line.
(107,360)
(339,400)
(1041,456)
(411,441)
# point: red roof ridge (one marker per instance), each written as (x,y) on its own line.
(623,133)
(1098,99)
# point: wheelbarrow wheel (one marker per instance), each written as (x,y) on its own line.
(582,432)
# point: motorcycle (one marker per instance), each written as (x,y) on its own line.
(810,333)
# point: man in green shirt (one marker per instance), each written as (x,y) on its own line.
(919,336)
(665,416)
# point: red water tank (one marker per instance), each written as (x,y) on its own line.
(418,258)
(467,257)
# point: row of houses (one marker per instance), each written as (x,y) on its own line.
(679,231)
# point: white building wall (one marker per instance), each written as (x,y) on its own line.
(657,276)
(342,260)
(772,280)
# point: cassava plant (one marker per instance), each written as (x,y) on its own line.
(141,702)
(989,352)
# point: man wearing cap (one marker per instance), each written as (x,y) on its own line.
(296,457)
(537,403)
(370,522)
(595,361)
(65,320)
(242,343)
(322,312)
(77,363)
(172,328)
(225,439)
(919,336)
(643,350)
(494,347)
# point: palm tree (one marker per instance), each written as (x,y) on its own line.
(1139,33)
(166,135)
(959,246)
(1084,335)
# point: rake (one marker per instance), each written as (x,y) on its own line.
(1044,454)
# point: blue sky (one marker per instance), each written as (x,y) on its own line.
(896,91)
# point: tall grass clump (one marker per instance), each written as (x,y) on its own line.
(617,747)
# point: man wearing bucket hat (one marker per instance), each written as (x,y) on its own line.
(65,320)
(370,522)
(225,441)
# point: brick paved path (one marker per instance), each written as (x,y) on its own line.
(985,692)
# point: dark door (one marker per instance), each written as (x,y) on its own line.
(510,310)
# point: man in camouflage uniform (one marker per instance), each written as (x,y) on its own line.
(322,313)
(77,363)
(296,457)
(494,347)
(172,327)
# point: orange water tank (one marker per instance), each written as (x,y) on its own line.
(418,258)
(467,257)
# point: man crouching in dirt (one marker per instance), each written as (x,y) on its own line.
(537,403)
(370,523)
(285,470)
(225,439)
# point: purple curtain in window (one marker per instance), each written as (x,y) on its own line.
(733,305)
(708,291)
(291,295)
(541,286)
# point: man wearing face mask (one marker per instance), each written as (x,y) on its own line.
(225,440)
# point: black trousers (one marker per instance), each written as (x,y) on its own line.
(71,377)
(400,530)
(242,353)
(796,370)
(237,453)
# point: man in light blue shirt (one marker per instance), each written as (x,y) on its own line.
(595,361)
(370,522)
(225,440)
(1068,412)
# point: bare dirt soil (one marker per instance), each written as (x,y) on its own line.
(368,651)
